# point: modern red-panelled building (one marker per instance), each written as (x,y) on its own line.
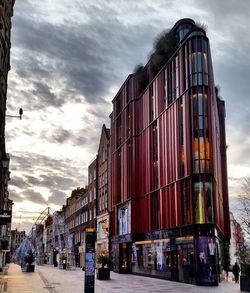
(168,174)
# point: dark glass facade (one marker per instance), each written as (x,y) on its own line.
(168,168)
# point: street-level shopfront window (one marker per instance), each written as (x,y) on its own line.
(160,258)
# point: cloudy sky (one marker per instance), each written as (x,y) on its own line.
(68,59)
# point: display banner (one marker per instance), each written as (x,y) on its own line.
(89,284)
(206,249)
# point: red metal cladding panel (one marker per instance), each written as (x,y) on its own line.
(114,178)
(166,163)
(139,116)
(133,167)
(178,204)
(123,174)
(187,138)
(175,141)
(171,145)
(161,210)
(146,172)
(161,149)
(163,202)
(169,207)
(133,119)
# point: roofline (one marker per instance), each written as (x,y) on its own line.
(129,76)
(183,20)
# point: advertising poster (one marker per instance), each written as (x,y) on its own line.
(206,259)
(89,283)
(90,264)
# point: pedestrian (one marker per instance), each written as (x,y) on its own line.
(226,270)
(236,272)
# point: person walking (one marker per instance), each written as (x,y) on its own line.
(236,272)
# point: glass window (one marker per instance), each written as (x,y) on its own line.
(209,201)
(152,98)
(124,221)
(195,104)
(205,62)
(201,124)
(176,78)
(200,102)
(205,45)
(200,79)
(207,148)
(202,148)
(199,62)
(199,202)
(196,149)
(194,63)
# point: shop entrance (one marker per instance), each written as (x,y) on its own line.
(125,258)
(186,263)
(174,265)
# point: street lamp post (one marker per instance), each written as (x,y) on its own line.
(17,116)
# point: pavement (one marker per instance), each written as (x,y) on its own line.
(49,279)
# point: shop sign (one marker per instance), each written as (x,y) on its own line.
(125,238)
(153,235)
(5,217)
(122,238)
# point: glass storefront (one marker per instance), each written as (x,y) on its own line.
(173,260)
(189,259)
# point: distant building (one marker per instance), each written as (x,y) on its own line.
(17,238)
(169,197)
(102,247)
(237,240)
(76,221)
(48,240)
(92,189)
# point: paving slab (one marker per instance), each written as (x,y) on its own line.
(46,278)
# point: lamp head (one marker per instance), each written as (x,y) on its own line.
(20,113)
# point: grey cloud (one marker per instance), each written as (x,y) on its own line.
(32,64)
(60,182)
(61,135)
(32,180)
(13,195)
(44,93)
(58,198)
(18,182)
(34,196)
(86,55)
(50,181)
(49,166)
(84,137)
